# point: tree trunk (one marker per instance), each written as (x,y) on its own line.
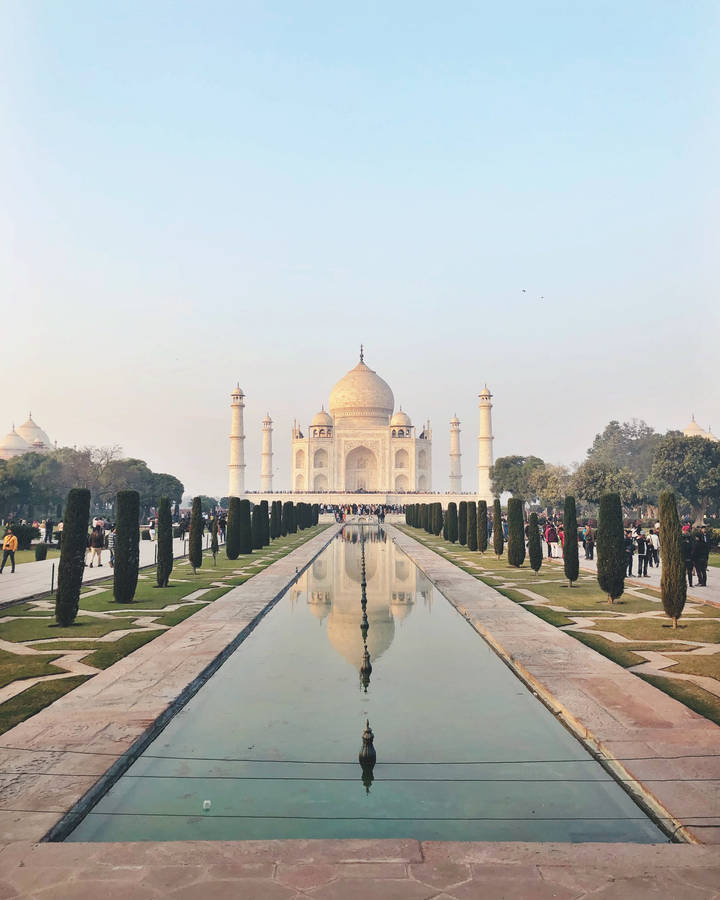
(674,621)
(699,512)
(610,599)
(569,584)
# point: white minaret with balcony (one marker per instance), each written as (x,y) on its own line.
(236,487)
(455,473)
(485,448)
(266,456)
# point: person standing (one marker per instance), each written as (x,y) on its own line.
(642,555)
(97,542)
(49,525)
(654,548)
(111,541)
(700,554)
(9,546)
(589,543)
(629,551)
(686,547)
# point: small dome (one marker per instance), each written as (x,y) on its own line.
(13,445)
(322,419)
(362,394)
(455,420)
(32,433)
(712,437)
(694,430)
(485,393)
(401,418)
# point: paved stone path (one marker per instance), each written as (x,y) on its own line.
(358,870)
(34,578)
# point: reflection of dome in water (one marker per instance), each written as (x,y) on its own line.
(401,604)
(320,603)
(343,630)
(353,563)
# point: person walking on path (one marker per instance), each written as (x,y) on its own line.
(551,539)
(97,542)
(9,546)
(687,548)
(700,554)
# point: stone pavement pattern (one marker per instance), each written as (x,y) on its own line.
(672,753)
(357,870)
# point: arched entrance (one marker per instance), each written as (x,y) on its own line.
(401,483)
(361,470)
(320,483)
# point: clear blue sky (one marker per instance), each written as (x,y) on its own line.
(196,193)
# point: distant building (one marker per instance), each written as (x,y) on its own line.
(28,438)
(694,430)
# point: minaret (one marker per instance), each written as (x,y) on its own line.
(455,473)
(236,486)
(266,456)
(485,451)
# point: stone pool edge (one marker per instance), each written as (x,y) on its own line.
(99,729)
(616,715)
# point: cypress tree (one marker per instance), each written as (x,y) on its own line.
(315,513)
(427,523)
(72,556)
(197,526)
(244,528)
(127,546)
(265,519)
(232,538)
(288,518)
(462,523)
(445,532)
(516,533)
(214,546)
(257,528)
(472,536)
(570,550)
(408,514)
(437,518)
(673,584)
(275,519)
(452,522)
(482,526)
(164,543)
(611,547)
(497,530)
(534,544)
(283,519)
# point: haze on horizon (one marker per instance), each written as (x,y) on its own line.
(196,195)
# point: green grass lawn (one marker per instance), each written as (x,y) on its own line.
(708,666)
(107,654)
(35,698)
(14,667)
(693,696)
(26,556)
(661,629)
(37,629)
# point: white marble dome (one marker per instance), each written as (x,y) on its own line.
(694,430)
(400,419)
(31,432)
(362,394)
(322,419)
(13,444)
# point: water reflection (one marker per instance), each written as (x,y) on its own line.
(332,590)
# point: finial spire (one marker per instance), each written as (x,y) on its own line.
(362,353)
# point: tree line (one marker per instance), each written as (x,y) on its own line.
(628,459)
(35,485)
(466,523)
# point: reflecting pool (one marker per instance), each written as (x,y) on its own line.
(268,748)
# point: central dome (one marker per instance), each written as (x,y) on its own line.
(362,394)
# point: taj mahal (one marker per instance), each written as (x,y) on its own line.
(361,446)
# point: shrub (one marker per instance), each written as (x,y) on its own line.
(25,534)
(610,544)
(275,512)
(516,533)
(570,550)
(482,526)
(127,546)
(673,584)
(257,528)
(41,551)
(472,536)
(72,556)
(164,543)
(245,541)
(452,517)
(232,535)
(445,531)
(197,526)
(289,525)
(497,530)
(462,523)
(534,544)
(437,518)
